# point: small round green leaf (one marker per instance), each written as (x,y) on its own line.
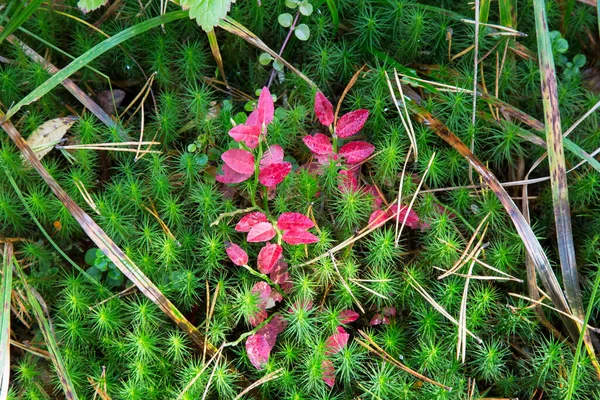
(265,59)
(278,65)
(302,32)
(579,60)
(306,8)
(94,273)
(90,256)
(191,147)
(291,4)
(101,264)
(286,19)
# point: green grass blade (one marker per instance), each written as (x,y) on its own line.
(335,17)
(484,11)
(214,48)
(508,13)
(558,172)
(91,55)
(19,18)
(5,291)
(34,300)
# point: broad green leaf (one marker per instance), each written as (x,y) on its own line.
(306,8)
(265,59)
(302,32)
(207,13)
(579,60)
(278,65)
(90,5)
(291,4)
(285,20)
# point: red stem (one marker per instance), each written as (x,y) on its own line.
(287,38)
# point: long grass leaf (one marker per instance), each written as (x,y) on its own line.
(35,300)
(105,243)
(91,55)
(5,291)
(558,171)
(508,13)
(214,48)
(19,18)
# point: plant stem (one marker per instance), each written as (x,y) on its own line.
(287,38)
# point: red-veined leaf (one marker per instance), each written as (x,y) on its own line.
(264,291)
(236,254)
(261,232)
(323,109)
(294,220)
(239,160)
(299,236)
(319,144)
(356,152)
(336,342)
(377,218)
(246,133)
(249,220)
(266,108)
(274,154)
(328,372)
(230,176)
(412,220)
(349,124)
(348,316)
(258,350)
(268,257)
(273,174)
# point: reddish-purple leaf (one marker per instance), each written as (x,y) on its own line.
(325,160)
(266,108)
(246,133)
(264,291)
(249,220)
(258,317)
(253,119)
(336,342)
(379,319)
(261,232)
(349,124)
(294,220)
(348,316)
(348,180)
(412,220)
(239,160)
(273,174)
(299,236)
(319,144)
(230,176)
(274,154)
(356,152)
(278,324)
(389,311)
(274,297)
(328,372)
(236,254)
(377,218)
(323,109)
(268,257)
(258,350)
(304,305)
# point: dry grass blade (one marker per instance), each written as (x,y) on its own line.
(199,374)
(374,348)
(531,243)
(348,289)
(269,377)
(558,172)
(39,309)
(345,92)
(413,144)
(461,345)
(238,29)
(105,243)
(412,282)
(214,48)
(5,319)
(461,260)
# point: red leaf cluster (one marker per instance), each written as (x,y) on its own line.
(259,345)
(295,228)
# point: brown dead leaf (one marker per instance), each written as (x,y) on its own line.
(47,135)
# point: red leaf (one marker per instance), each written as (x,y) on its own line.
(348,180)
(351,123)
(274,154)
(336,342)
(268,256)
(258,317)
(389,311)
(318,144)
(412,220)
(323,109)
(239,160)
(253,119)
(230,176)
(236,254)
(278,324)
(377,218)
(264,291)
(249,220)
(328,372)
(356,152)
(372,190)
(379,319)
(348,316)
(294,220)
(273,174)
(266,108)
(261,232)
(299,236)
(304,305)
(246,133)
(258,350)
